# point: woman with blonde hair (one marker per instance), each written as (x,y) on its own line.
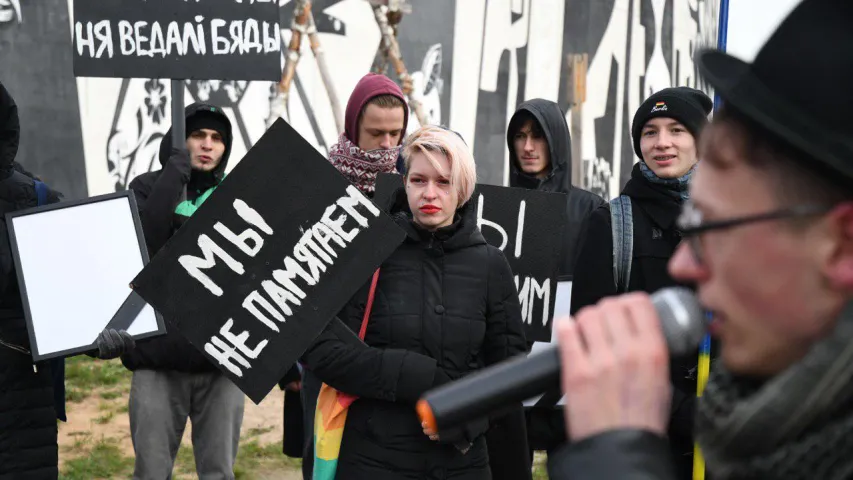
(445,305)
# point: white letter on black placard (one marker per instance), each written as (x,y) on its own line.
(216,39)
(241,241)
(519,233)
(271,42)
(192,37)
(173,39)
(542,292)
(104,33)
(89,41)
(280,296)
(194,265)
(158,44)
(353,199)
(337,224)
(481,221)
(125,37)
(250,215)
(286,276)
(224,353)
(253,37)
(302,253)
(239,341)
(256,298)
(140,39)
(236,32)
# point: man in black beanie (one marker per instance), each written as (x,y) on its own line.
(665,130)
(172,380)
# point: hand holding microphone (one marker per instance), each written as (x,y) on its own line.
(615,368)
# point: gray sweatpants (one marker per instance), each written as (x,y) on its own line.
(161,401)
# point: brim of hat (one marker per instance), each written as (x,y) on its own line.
(735,82)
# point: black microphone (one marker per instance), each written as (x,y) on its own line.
(524,377)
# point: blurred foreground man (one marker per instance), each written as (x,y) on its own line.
(769,232)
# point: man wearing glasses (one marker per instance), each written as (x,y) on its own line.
(769,230)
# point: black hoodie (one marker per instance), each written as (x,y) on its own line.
(158,194)
(579,203)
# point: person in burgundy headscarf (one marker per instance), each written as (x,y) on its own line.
(376,120)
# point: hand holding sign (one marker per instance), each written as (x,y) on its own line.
(258,271)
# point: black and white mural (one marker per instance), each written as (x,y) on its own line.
(472,62)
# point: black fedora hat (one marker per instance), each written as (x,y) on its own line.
(800,85)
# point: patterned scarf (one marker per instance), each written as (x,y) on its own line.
(796,425)
(677,187)
(360,167)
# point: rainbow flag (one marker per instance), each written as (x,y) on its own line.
(329,420)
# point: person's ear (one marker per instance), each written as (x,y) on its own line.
(839,267)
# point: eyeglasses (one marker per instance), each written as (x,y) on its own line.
(691,226)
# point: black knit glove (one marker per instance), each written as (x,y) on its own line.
(114,343)
(180,158)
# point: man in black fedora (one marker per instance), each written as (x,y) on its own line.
(769,244)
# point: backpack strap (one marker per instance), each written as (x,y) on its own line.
(622,225)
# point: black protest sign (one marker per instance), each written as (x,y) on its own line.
(198,39)
(527,225)
(253,277)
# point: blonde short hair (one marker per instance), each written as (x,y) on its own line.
(463,171)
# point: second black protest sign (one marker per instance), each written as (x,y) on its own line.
(527,226)
(258,271)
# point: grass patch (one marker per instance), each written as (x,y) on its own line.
(257,432)
(253,457)
(87,374)
(106,418)
(104,460)
(111,394)
(540,466)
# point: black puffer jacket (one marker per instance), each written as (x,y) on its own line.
(27,415)
(655,239)
(158,194)
(445,306)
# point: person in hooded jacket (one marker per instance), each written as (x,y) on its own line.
(445,305)
(28,407)
(376,119)
(172,380)
(540,158)
(665,130)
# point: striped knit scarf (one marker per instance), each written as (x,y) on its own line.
(797,425)
(360,167)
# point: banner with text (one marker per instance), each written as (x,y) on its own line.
(253,277)
(527,226)
(199,39)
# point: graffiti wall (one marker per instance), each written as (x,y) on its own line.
(472,61)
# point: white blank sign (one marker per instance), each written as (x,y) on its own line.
(75,262)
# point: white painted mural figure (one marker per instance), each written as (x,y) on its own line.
(10,11)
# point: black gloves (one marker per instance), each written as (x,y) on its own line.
(180,158)
(114,343)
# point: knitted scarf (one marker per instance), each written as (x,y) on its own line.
(677,187)
(360,167)
(796,425)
